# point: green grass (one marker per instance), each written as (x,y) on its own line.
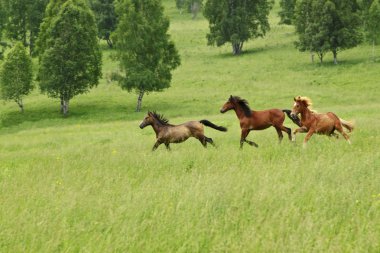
(90,183)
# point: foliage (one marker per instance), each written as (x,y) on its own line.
(24,18)
(373,23)
(327,25)
(16,75)
(236,21)
(52,10)
(144,49)
(105,16)
(193,6)
(71,62)
(287,11)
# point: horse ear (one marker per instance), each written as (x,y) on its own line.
(295,99)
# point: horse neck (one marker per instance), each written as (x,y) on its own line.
(157,126)
(239,112)
(306,114)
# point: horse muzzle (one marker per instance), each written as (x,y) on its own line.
(222,110)
(142,125)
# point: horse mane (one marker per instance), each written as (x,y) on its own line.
(307,101)
(244,105)
(160,118)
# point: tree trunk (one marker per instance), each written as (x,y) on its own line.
(139,100)
(373,50)
(237,48)
(20,104)
(335,57)
(61,105)
(312,56)
(320,56)
(65,107)
(194,9)
(31,43)
(110,43)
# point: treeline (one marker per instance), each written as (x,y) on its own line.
(64,36)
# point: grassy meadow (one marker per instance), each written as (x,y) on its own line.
(90,183)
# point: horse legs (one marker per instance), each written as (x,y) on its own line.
(167,146)
(203,140)
(244,134)
(298,130)
(209,140)
(307,137)
(340,129)
(158,143)
(280,136)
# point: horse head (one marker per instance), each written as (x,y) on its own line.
(228,105)
(148,120)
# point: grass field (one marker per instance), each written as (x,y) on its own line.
(90,183)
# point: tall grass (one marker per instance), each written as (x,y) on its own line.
(90,183)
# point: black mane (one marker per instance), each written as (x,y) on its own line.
(244,105)
(160,118)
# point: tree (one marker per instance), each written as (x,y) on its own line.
(327,25)
(105,16)
(71,62)
(52,10)
(372,25)
(24,18)
(236,21)
(144,49)
(193,6)
(287,11)
(16,75)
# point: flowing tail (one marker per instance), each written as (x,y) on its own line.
(295,119)
(349,125)
(209,124)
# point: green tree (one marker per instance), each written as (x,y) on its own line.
(23,20)
(71,62)
(51,11)
(236,21)
(193,6)
(144,49)
(287,11)
(16,75)
(372,25)
(327,25)
(105,16)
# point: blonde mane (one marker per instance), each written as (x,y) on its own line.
(306,100)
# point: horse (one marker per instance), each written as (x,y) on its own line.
(167,133)
(320,123)
(257,120)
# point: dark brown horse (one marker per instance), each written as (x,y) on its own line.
(320,123)
(257,120)
(167,133)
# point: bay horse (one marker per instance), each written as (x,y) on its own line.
(167,133)
(257,120)
(320,123)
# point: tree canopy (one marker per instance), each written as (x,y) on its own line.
(16,75)
(287,11)
(144,49)
(71,62)
(236,21)
(327,25)
(105,16)
(23,20)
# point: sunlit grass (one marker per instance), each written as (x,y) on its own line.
(90,183)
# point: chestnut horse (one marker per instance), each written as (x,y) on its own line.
(167,133)
(320,123)
(257,120)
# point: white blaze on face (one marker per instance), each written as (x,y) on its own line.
(295,103)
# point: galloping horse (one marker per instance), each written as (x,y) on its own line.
(167,133)
(320,123)
(257,120)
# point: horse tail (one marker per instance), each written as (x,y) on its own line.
(295,119)
(209,124)
(349,125)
